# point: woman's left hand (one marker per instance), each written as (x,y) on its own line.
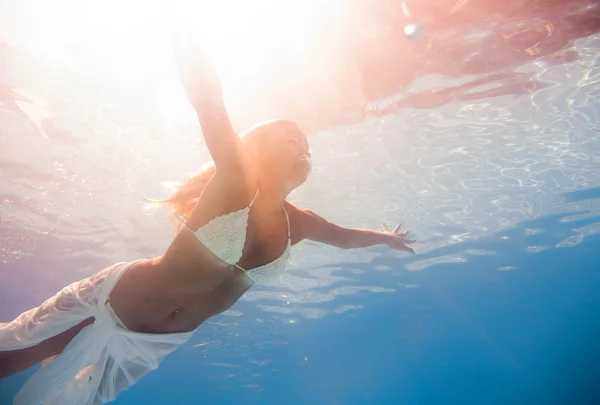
(397,240)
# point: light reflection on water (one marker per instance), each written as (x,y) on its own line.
(452,174)
(474,181)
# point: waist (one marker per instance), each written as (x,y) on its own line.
(162,296)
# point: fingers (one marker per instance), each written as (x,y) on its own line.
(402,243)
(408,249)
(403,246)
(396,229)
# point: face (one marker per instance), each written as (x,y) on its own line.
(287,155)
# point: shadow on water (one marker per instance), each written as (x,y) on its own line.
(580,195)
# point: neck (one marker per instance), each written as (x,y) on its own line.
(272,195)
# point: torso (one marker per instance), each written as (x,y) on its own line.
(181,289)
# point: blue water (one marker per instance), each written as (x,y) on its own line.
(495,171)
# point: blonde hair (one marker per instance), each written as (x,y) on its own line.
(188,193)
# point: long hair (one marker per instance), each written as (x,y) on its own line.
(188,193)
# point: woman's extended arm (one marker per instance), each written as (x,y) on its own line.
(314,227)
(203,87)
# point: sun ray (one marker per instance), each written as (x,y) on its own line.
(258,46)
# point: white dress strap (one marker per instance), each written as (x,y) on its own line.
(255,195)
(287,218)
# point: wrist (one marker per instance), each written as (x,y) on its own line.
(379,238)
(386,238)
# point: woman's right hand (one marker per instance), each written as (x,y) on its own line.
(203,88)
(196,69)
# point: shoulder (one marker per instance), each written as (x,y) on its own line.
(297,214)
(239,178)
(303,222)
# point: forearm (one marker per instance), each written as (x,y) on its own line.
(212,114)
(316,228)
(201,82)
(356,238)
(206,97)
(205,89)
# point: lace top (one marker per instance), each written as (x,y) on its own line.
(225,236)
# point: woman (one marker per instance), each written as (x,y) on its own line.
(100,335)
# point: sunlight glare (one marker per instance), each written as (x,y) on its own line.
(256,45)
(247,40)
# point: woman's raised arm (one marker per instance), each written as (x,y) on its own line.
(203,88)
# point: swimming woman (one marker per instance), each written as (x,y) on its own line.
(100,335)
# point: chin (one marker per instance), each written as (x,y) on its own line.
(296,179)
(298,184)
(294,184)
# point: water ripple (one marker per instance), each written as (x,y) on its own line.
(475,180)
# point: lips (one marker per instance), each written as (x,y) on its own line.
(305,163)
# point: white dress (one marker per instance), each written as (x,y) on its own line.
(101,361)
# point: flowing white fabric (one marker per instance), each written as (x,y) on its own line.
(101,361)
